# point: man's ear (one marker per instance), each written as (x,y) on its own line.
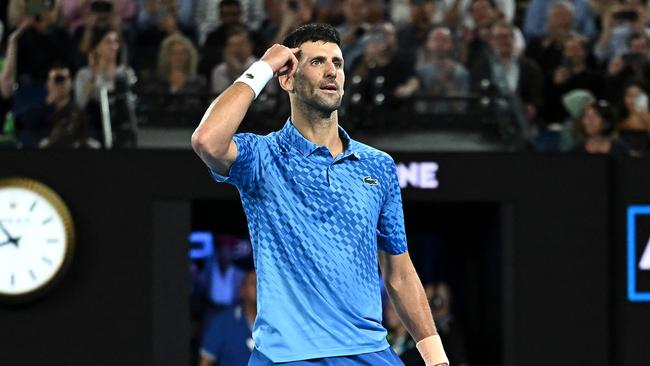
(286,82)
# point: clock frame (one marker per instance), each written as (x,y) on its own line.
(61,209)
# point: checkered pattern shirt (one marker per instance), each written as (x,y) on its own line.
(316,223)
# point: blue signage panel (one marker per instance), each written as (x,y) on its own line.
(638,253)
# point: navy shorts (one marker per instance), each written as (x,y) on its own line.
(381,358)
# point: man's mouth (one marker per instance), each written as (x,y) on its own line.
(331,87)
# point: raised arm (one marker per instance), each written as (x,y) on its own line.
(407,295)
(8,74)
(212,139)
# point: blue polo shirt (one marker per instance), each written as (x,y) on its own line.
(227,338)
(316,223)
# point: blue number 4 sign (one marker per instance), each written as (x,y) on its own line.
(638,242)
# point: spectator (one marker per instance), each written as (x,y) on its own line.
(175,96)
(572,73)
(536,26)
(593,131)
(57,122)
(100,14)
(209,15)
(546,50)
(294,13)
(455,14)
(43,44)
(450,331)
(238,56)
(162,20)
(353,29)
(514,81)
(633,127)
(631,65)
(212,50)
(75,13)
(227,338)
(414,35)
(152,11)
(618,23)
(439,74)
(382,78)
(104,72)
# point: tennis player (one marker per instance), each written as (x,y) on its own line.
(323,210)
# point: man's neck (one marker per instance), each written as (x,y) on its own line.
(319,129)
(250,312)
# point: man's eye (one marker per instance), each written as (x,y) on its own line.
(316,62)
(338,65)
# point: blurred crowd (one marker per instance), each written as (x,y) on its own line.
(548,76)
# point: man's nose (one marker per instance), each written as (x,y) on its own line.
(330,69)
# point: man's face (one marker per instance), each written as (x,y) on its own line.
(239,46)
(482,12)
(639,45)
(573,49)
(230,14)
(318,81)
(59,82)
(503,41)
(439,42)
(560,17)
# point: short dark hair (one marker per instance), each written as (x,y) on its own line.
(223,3)
(312,32)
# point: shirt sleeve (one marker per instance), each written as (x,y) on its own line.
(391,235)
(246,168)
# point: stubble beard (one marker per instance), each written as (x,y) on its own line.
(314,103)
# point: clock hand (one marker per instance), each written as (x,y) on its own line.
(2,227)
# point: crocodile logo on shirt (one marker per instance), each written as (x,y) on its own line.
(369,180)
(249,75)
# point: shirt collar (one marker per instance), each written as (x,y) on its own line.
(294,139)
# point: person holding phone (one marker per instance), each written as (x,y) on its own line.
(618,23)
(324,212)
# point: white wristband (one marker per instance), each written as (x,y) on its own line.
(432,351)
(257,76)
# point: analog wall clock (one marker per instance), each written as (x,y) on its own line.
(36,239)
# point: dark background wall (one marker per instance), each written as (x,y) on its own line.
(123,301)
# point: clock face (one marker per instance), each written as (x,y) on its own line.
(35,238)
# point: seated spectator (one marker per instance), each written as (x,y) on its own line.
(513,82)
(151,12)
(162,21)
(634,64)
(175,96)
(546,50)
(104,72)
(633,127)
(618,23)
(212,50)
(593,131)
(572,73)
(237,55)
(227,337)
(208,15)
(414,34)
(475,35)
(536,24)
(382,80)
(439,74)
(99,14)
(57,122)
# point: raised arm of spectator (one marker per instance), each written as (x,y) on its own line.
(8,75)
(602,49)
(213,138)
